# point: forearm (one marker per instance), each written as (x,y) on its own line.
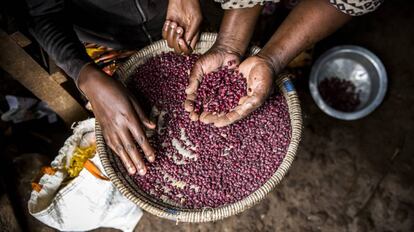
(237,28)
(50,26)
(60,42)
(309,22)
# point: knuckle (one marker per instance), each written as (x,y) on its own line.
(136,131)
(140,140)
(131,147)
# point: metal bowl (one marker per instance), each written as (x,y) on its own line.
(357,65)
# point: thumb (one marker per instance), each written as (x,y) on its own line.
(196,76)
(142,116)
(190,32)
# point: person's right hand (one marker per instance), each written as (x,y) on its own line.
(217,57)
(181,27)
(120,117)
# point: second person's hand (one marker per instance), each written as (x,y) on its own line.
(181,27)
(120,117)
(217,57)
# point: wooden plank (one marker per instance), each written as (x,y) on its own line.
(20,39)
(58,77)
(15,61)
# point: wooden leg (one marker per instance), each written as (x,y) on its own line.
(15,61)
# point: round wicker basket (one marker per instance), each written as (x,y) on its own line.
(117,173)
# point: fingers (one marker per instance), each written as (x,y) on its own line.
(189,102)
(194,82)
(139,134)
(196,77)
(194,41)
(173,34)
(207,117)
(165,29)
(177,35)
(132,151)
(246,106)
(142,116)
(116,145)
(210,117)
(143,142)
(184,47)
(194,116)
(170,34)
(180,45)
(192,33)
(249,104)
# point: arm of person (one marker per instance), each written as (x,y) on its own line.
(48,23)
(232,41)
(116,110)
(309,22)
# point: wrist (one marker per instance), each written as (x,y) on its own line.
(229,45)
(272,61)
(233,34)
(87,75)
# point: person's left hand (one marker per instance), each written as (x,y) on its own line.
(181,27)
(259,75)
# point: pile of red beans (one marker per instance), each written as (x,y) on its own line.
(220,91)
(339,93)
(199,165)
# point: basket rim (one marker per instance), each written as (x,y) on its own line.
(207,214)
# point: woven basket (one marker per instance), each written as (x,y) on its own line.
(118,175)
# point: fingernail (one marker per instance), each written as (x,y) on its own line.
(151,158)
(142,172)
(181,42)
(167,23)
(131,170)
(179,30)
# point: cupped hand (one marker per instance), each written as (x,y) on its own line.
(181,27)
(259,76)
(215,58)
(120,116)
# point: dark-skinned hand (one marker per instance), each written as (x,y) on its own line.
(217,57)
(181,27)
(259,76)
(120,116)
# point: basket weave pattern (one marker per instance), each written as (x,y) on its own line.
(125,184)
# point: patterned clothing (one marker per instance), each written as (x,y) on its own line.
(350,7)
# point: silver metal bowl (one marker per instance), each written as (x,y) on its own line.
(355,64)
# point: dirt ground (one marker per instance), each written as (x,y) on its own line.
(348,176)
